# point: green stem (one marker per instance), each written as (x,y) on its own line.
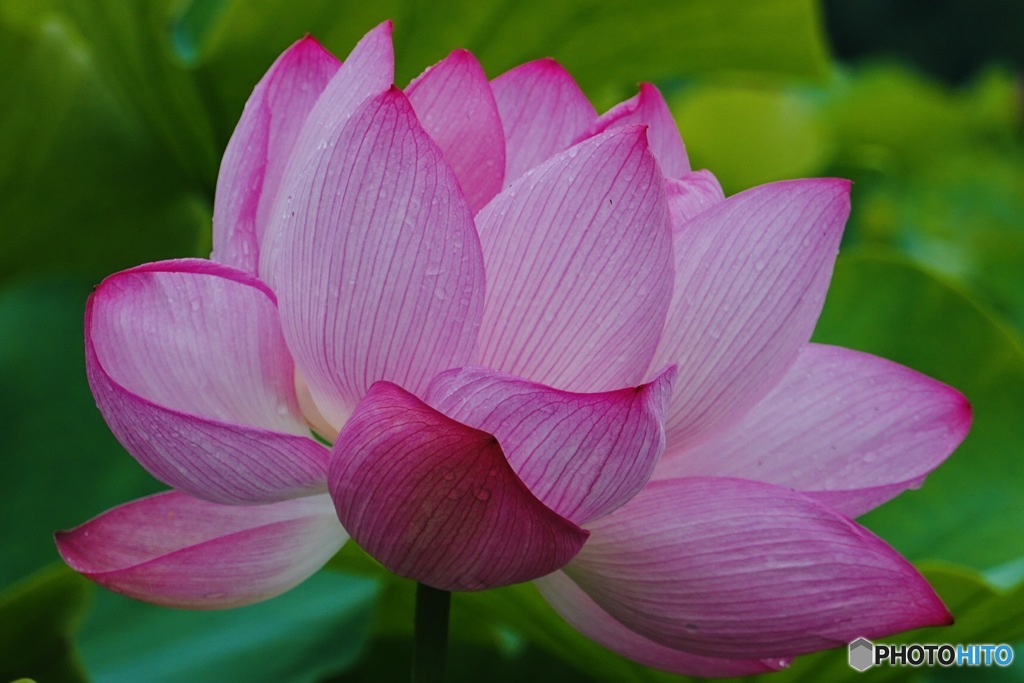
(430,644)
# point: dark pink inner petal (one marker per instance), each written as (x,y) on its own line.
(436,501)
(582,455)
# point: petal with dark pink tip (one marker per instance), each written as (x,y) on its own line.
(542,112)
(258,151)
(582,455)
(453,101)
(585,616)
(579,274)
(173,550)
(736,568)
(751,276)
(648,107)
(368,71)
(848,428)
(189,367)
(436,501)
(379,269)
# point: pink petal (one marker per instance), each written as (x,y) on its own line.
(751,276)
(542,111)
(188,366)
(858,428)
(255,158)
(368,71)
(648,107)
(379,266)
(177,551)
(691,195)
(454,103)
(582,455)
(435,501)
(579,272)
(735,568)
(585,616)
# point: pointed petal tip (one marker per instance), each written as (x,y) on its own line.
(63,539)
(308,42)
(963,413)
(840,186)
(646,91)
(546,66)
(932,612)
(462,54)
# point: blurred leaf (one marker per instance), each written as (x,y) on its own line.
(37,619)
(983,614)
(970,509)
(87,190)
(962,215)
(388,659)
(608,47)
(61,465)
(192,27)
(131,45)
(753,134)
(887,117)
(115,113)
(312,630)
(515,624)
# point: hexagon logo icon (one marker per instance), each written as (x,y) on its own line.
(862,654)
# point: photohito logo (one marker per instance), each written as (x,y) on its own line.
(864,654)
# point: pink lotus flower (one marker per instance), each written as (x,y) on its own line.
(543,349)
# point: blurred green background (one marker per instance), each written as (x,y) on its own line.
(113,117)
